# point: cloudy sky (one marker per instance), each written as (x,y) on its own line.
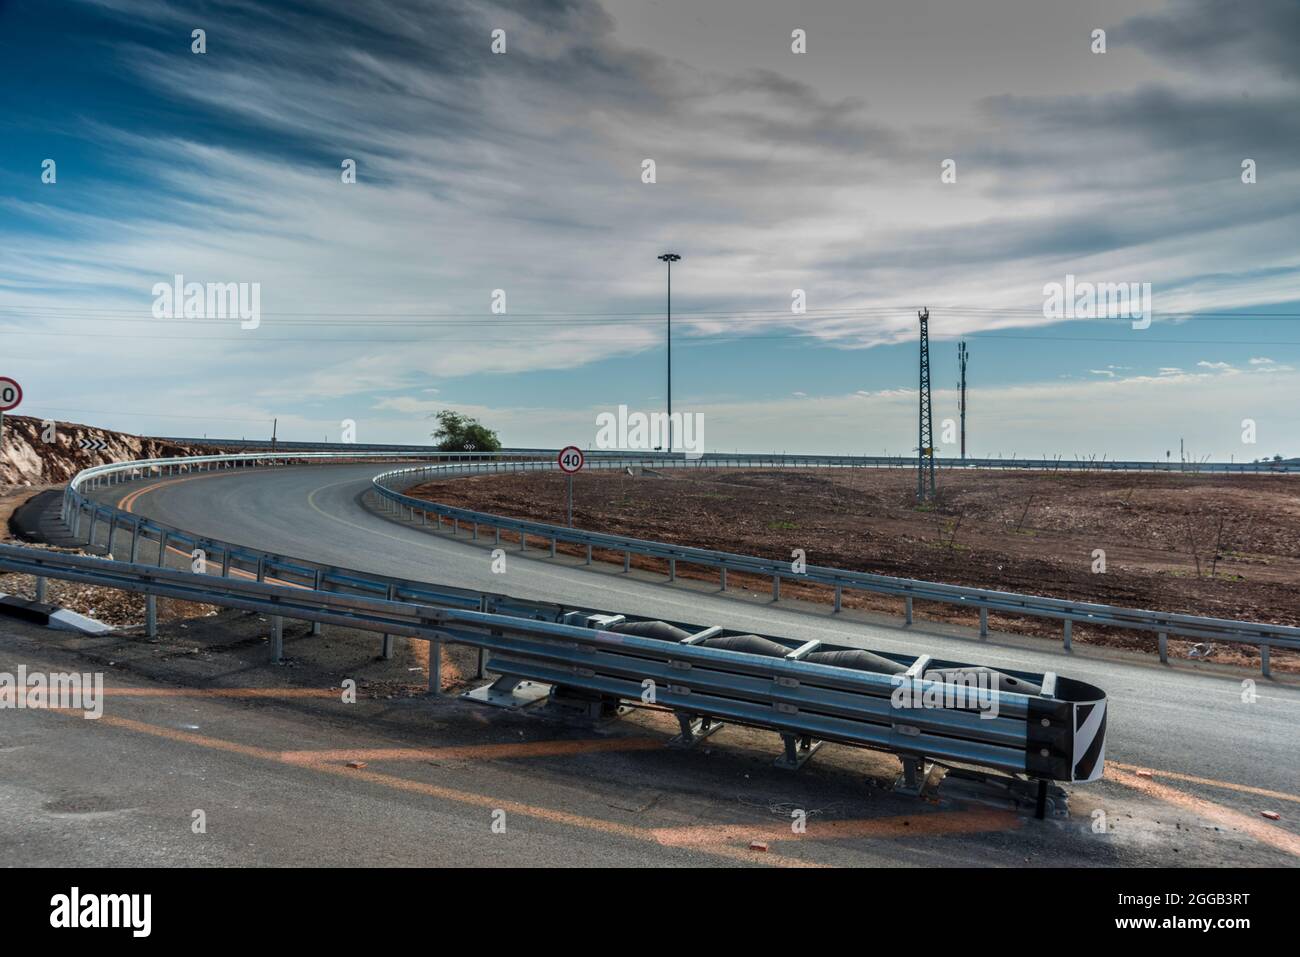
(774,171)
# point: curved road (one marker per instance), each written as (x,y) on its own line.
(1188,721)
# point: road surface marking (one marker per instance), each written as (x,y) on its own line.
(470,752)
(420,651)
(549,815)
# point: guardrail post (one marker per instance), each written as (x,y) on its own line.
(261,568)
(838,595)
(317,584)
(455,526)
(497,536)
(162,549)
(94,517)
(723,578)
(151,616)
(435,668)
(1162,640)
(135,541)
(907,610)
(672,569)
(627,561)
(552,546)
(277,639)
(1067,635)
(112,530)
(40,593)
(523,542)
(588,554)
(1263,661)
(225,562)
(476,531)
(386,645)
(776,588)
(984,622)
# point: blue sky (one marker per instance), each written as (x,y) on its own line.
(775,171)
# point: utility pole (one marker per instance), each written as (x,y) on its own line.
(925,428)
(962,355)
(670,258)
(275,427)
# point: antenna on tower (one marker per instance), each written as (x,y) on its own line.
(925,430)
(962,356)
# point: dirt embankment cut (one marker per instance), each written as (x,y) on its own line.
(1222,546)
(29,459)
(36,456)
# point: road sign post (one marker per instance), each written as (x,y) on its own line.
(11,396)
(570,460)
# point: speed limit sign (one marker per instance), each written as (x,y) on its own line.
(11,394)
(571,459)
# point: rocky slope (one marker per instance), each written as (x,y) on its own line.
(26,459)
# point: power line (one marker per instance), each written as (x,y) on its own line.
(829,337)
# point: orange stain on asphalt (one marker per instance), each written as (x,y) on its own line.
(487,752)
(223,692)
(1264,833)
(928,824)
(1208,782)
(439,792)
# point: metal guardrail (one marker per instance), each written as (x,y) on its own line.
(78,507)
(1048,729)
(1261,634)
(795,460)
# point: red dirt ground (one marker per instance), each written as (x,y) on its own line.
(1223,546)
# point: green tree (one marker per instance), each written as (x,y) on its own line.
(460,433)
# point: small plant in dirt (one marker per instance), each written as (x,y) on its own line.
(1203,540)
(782,526)
(1024,512)
(948,529)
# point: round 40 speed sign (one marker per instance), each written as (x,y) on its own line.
(11,394)
(571,459)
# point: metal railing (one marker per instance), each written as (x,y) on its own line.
(79,508)
(795,460)
(1051,729)
(1261,634)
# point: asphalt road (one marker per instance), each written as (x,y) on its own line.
(1211,760)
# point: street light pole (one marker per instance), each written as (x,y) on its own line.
(670,258)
